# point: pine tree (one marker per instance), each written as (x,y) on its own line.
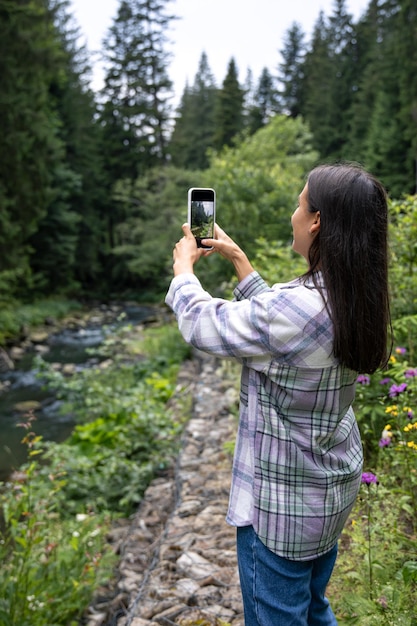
(135,97)
(264,102)
(388,141)
(229,109)
(291,71)
(406,52)
(29,58)
(68,243)
(194,124)
(330,78)
(316,103)
(366,87)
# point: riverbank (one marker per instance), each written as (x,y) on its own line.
(177,554)
(65,344)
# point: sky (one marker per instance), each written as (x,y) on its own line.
(250,31)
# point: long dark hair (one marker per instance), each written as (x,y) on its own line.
(351,250)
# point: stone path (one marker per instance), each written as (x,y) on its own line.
(178,559)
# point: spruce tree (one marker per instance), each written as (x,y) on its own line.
(406,53)
(194,123)
(367,85)
(316,103)
(229,109)
(291,71)
(135,107)
(32,150)
(264,102)
(67,246)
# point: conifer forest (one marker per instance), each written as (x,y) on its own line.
(93,185)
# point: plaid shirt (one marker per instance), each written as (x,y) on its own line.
(298,457)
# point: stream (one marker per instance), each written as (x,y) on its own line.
(22,384)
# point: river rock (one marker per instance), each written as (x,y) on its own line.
(39,336)
(17,353)
(27,406)
(41,349)
(6,363)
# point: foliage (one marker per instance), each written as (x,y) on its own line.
(13,319)
(59,506)
(193,132)
(257,184)
(277,263)
(291,75)
(50,565)
(379,544)
(155,206)
(136,89)
(126,433)
(374,581)
(228,121)
(262,106)
(30,58)
(403,246)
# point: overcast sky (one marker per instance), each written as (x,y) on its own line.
(251,31)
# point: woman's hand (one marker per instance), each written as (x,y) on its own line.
(224,245)
(186,252)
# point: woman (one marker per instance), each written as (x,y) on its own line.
(298,456)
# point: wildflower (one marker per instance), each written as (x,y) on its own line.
(411,372)
(385,437)
(369,478)
(392,360)
(384,442)
(412,445)
(400,350)
(392,410)
(81,517)
(396,390)
(383,602)
(385,381)
(75,533)
(409,411)
(363,379)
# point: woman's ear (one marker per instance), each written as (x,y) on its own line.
(315,226)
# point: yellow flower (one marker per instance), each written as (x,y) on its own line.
(393,410)
(392,359)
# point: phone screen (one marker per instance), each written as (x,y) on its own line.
(202,208)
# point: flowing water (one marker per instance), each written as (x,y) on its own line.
(69,346)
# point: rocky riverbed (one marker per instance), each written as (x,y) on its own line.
(177,554)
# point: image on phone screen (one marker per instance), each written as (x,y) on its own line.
(202,213)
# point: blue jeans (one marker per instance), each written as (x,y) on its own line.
(280,592)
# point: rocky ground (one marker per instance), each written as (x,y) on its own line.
(177,554)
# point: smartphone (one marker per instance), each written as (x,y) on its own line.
(202,213)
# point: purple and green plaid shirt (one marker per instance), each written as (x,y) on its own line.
(298,457)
